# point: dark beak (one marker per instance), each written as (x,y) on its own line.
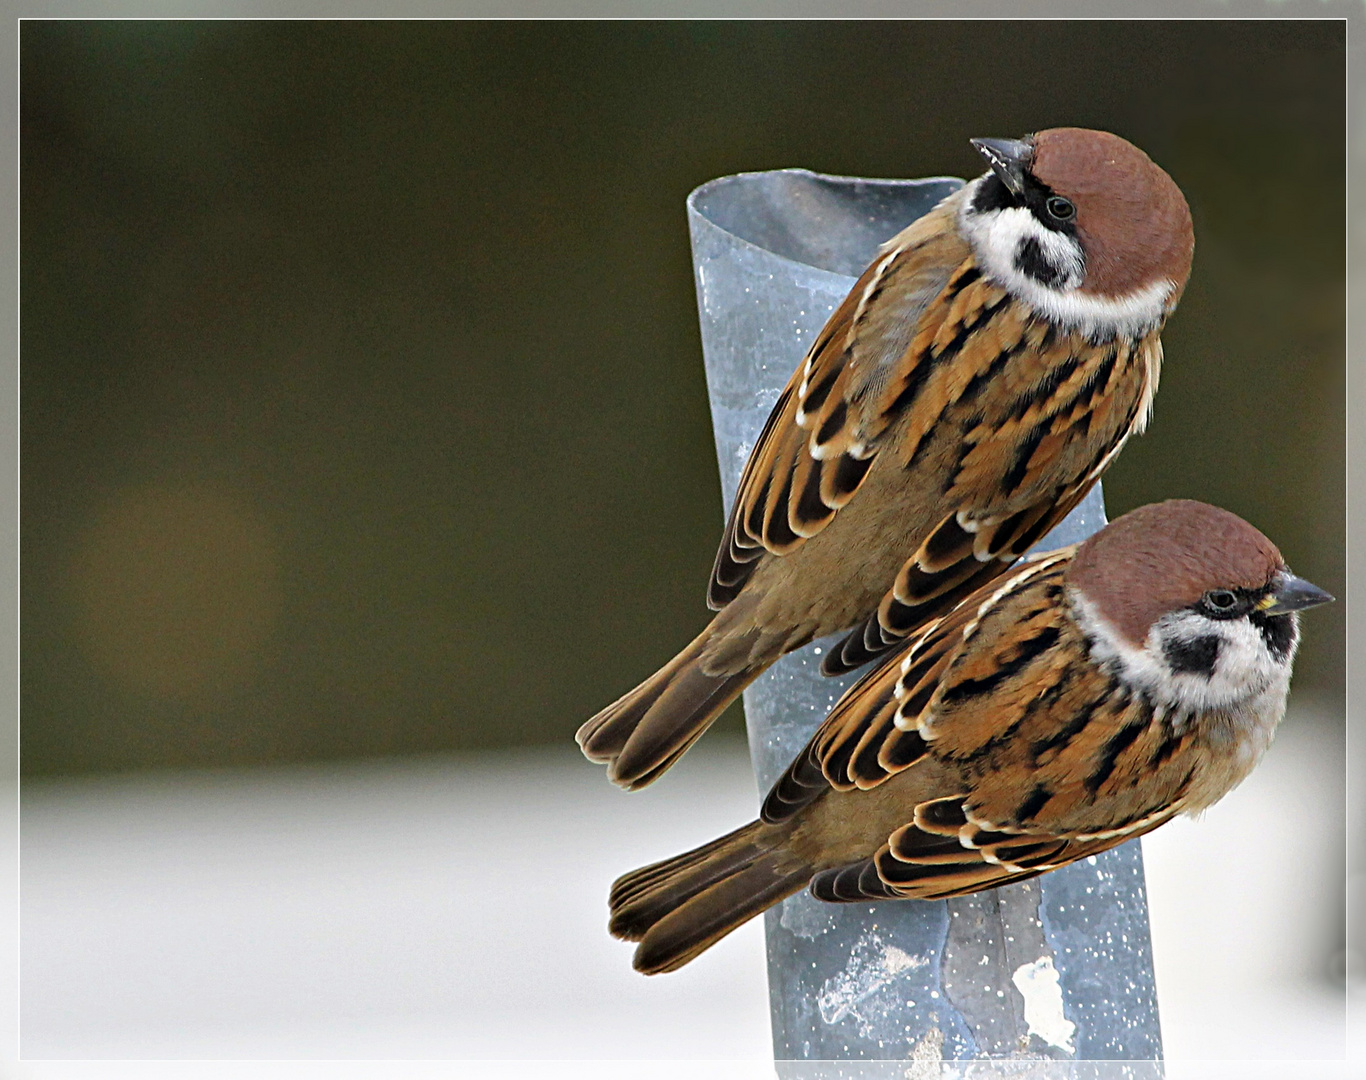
(1008,158)
(1292,594)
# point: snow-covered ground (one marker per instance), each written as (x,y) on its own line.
(455,908)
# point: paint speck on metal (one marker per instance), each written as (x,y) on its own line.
(894,960)
(1038,985)
(926,1056)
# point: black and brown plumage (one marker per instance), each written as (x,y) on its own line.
(1084,699)
(976,381)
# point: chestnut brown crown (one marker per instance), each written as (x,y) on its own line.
(1164,557)
(1132,219)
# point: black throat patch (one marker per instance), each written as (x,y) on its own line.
(1278,631)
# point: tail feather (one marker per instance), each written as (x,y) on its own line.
(678,908)
(635,897)
(645,731)
(630,886)
(684,934)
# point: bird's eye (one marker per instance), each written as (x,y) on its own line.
(1060,208)
(1220,601)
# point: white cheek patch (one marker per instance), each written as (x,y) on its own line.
(999,236)
(1244,668)
(996,237)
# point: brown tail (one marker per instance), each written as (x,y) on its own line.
(641,734)
(678,908)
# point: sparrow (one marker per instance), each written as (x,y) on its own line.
(979,377)
(1084,699)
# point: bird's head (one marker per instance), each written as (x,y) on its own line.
(1192,604)
(1083,227)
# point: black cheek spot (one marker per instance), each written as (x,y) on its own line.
(1195,657)
(1030,261)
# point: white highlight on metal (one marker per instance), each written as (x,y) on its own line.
(1039,986)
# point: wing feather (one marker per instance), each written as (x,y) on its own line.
(1046,745)
(824,431)
(1015,472)
(875,730)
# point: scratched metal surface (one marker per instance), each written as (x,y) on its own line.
(1058,968)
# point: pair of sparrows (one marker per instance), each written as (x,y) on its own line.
(979,377)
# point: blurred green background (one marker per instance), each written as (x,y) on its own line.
(362,403)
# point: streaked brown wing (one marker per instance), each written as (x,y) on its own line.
(1051,749)
(950,565)
(869,700)
(1005,671)
(859,744)
(873,730)
(935,863)
(1015,462)
(827,426)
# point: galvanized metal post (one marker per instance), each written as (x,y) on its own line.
(1055,968)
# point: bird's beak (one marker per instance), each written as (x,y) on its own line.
(1292,594)
(1008,158)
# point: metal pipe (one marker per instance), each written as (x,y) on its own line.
(1055,968)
